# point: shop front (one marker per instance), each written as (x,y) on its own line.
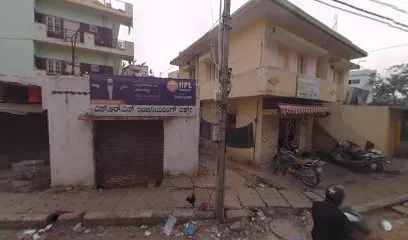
(132,131)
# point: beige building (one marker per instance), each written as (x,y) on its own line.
(287,69)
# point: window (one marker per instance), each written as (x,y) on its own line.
(232,120)
(301,64)
(54,67)
(354,81)
(93,28)
(94,68)
(213,71)
(54,24)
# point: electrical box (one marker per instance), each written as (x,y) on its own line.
(217,95)
(215,133)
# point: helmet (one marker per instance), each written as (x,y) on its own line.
(335,194)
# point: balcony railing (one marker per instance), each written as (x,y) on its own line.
(68,34)
(112,4)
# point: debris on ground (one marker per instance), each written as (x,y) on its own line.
(203,207)
(87,231)
(77,227)
(190,228)
(261,215)
(168,228)
(143,227)
(36,236)
(147,233)
(386,225)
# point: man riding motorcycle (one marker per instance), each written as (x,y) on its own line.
(330,223)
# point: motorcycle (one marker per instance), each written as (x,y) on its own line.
(352,156)
(307,170)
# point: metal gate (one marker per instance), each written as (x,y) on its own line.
(128,153)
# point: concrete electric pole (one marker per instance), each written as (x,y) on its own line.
(224,79)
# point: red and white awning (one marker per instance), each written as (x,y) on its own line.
(294,109)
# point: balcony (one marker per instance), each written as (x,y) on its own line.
(85,41)
(272,81)
(117,9)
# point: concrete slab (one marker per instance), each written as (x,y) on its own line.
(285,229)
(205,182)
(272,197)
(204,195)
(313,196)
(145,199)
(236,215)
(250,198)
(400,209)
(231,200)
(182,182)
(296,199)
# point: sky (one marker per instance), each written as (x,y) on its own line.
(163,28)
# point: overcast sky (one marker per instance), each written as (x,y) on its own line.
(163,28)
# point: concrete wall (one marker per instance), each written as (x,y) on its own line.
(181,141)
(16,45)
(359,124)
(71,140)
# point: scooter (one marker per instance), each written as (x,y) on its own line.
(353,157)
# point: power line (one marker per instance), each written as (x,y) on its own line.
(371,13)
(390,47)
(362,15)
(390,5)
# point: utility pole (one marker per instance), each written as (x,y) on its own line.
(73,45)
(224,78)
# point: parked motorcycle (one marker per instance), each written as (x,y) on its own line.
(352,156)
(307,170)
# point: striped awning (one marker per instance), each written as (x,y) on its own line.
(295,109)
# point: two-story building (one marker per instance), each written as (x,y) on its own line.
(287,67)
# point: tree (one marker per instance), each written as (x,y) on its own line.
(391,88)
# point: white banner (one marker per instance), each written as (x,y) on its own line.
(108,110)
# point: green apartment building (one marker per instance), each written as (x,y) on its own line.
(36,38)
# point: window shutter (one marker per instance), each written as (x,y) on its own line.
(64,68)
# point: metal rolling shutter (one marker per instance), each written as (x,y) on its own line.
(129,153)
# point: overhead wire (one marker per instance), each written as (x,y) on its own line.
(390,5)
(371,13)
(390,47)
(362,15)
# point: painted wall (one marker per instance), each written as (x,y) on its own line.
(16,46)
(181,141)
(347,122)
(75,14)
(71,140)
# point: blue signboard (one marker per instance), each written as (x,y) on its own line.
(142,96)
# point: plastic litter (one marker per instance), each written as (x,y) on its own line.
(190,228)
(29,231)
(147,233)
(203,207)
(143,227)
(36,236)
(386,225)
(261,215)
(168,228)
(87,231)
(77,227)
